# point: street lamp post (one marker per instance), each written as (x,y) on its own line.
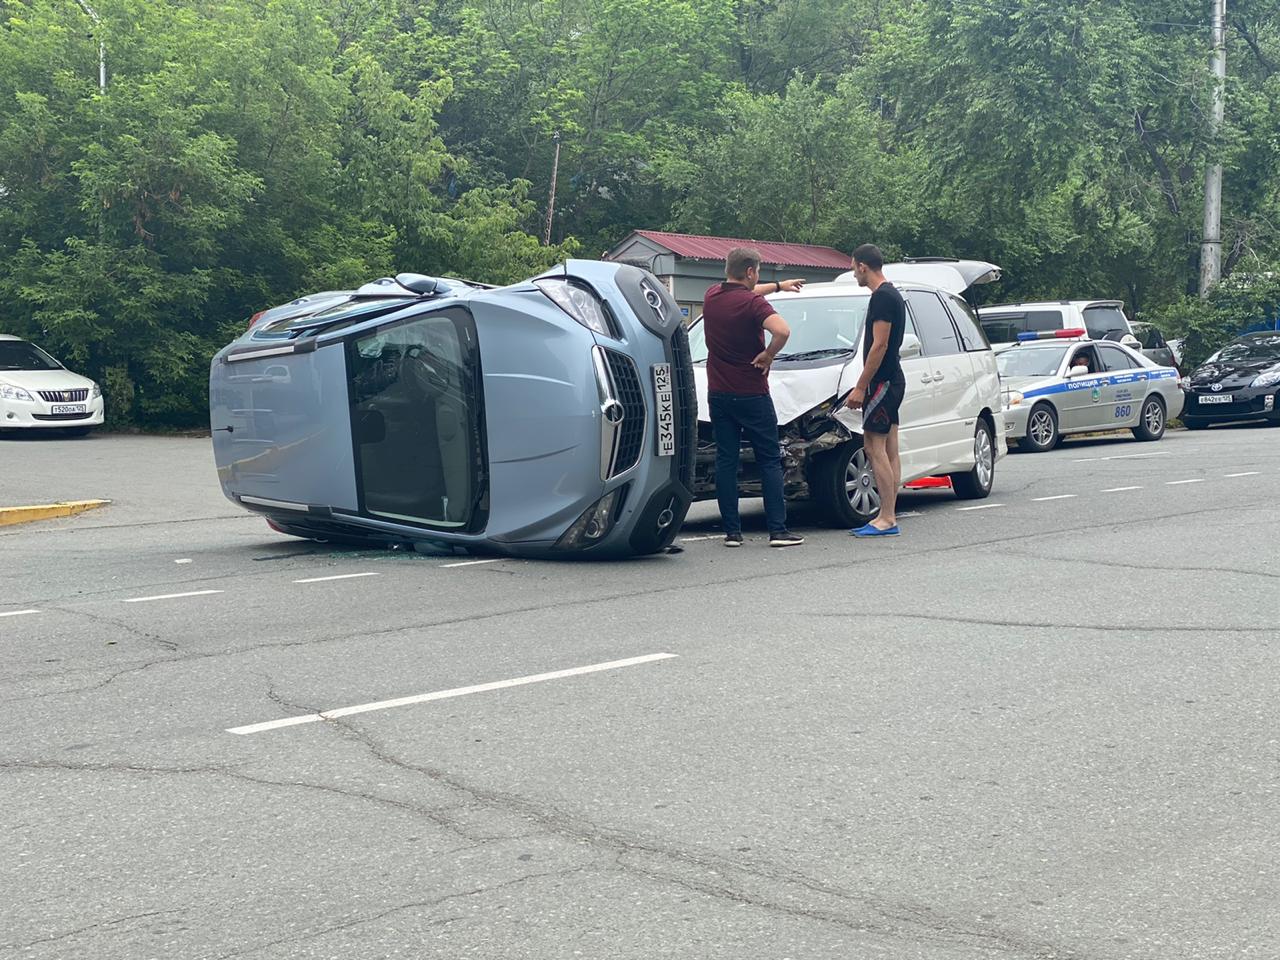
(551,200)
(102,46)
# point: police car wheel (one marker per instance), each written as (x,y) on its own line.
(1042,429)
(976,484)
(843,486)
(1151,421)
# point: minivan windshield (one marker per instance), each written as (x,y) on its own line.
(20,355)
(1031,361)
(820,326)
(1250,348)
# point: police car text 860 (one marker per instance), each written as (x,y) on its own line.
(1060,382)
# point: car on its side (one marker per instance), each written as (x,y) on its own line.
(552,417)
(951,421)
(1240,382)
(39,393)
(1004,323)
(1060,382)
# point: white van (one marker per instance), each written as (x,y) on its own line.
(1103,319)
(951,416)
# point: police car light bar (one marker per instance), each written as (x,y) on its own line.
(1068,334)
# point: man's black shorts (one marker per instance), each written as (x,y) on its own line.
(880,412)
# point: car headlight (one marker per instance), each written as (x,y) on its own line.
(1267,379)
(8,392)
(1012,399)
(97,391)
(594,525)
(578,302)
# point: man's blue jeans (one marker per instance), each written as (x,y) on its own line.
(732,418)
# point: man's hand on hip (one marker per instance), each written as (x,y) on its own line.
(763,361)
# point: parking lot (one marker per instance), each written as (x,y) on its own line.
(1039,725)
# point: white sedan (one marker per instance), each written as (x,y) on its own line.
(39,393)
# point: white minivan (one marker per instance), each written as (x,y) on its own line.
(952,421)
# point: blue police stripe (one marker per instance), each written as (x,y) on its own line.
(1070,386)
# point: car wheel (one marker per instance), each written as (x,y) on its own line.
(976,484)
(1151,422)
(1042,429)
(844,488)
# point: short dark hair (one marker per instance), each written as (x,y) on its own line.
(739,260)
(869,255)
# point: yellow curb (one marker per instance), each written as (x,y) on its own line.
(47,511)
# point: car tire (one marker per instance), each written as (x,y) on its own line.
(1042,429)
(976,484)
(1151,421)
(843,487)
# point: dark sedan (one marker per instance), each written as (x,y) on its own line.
(1240,382)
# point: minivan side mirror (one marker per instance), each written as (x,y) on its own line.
(910,347)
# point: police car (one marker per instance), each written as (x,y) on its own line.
(1060,382)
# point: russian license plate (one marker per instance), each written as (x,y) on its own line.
(1215,398)
(69,408)
(666,418)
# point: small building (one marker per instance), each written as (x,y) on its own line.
(688,264)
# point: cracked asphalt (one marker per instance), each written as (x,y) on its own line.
(1043,729)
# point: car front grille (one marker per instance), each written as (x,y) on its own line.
(64,396)
(626,385)
(685,396)
(61,416)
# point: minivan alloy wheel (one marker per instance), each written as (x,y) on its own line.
(860,484)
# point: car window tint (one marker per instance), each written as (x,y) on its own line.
(933,324)
(1001,329)
(971,335)
(20,355)
(1038,321)
(1105,323)
(1115,359)
(1150,338)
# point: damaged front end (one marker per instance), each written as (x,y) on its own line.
(803,440)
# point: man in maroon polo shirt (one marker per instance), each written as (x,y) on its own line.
(734,318)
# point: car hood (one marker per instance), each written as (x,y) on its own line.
(796,388)
(1231,371)
(45,379)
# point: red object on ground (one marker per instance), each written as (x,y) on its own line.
(928,483)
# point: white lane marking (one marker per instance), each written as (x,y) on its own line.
(909,513)
(448,694)
(1249,473)
(1061,496)
(171,596)
(1127,456)
(338,576)
(17,613)
(981,506)
(696,539)
(182,561)
(471,563)
(1176,483)
(1120,489)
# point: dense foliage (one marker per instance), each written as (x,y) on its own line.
(246,152)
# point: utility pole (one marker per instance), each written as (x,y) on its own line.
(551,200)
(102,46)
(1211,244)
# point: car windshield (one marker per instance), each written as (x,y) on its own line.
(20,355)
(1031,361)
(1105,322)
(1252,348)
(820,326)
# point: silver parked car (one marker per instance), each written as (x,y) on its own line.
(1057,384)
(551,417)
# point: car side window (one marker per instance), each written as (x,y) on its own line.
(1115,359)
(937,335)
(1085,357)
(971,336)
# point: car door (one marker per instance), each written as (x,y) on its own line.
(1083,403)
(915,415)
(950,373)
(1125,388)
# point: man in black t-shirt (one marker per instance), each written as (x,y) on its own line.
(880,389)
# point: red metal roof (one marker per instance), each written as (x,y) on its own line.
(774,254)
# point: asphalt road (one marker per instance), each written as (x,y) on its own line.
(1046,728)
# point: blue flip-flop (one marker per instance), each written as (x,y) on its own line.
(871,531)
